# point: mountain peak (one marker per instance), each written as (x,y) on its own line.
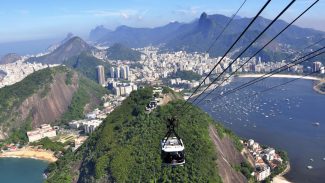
(98,33)
(73,47)
(203,16)
(204,22)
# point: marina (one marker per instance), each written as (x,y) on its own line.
(280,118)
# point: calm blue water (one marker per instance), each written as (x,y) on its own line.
(282,118)
(15,170)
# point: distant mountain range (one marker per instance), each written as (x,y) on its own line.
(199,34)
(75,46)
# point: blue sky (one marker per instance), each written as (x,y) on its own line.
(40,19)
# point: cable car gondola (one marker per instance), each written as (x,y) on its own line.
(172,146)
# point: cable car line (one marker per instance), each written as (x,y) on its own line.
(234,60)
(276,86)
(172,147)
(267,75)
(285,83)
(249,58)
(242,33)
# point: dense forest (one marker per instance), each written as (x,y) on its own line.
(126,147)
(121,52)
(186,75)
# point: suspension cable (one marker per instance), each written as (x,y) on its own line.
(250,57)
(265,76)
(234,60)
(242,33)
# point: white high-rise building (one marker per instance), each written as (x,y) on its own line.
(127,69)
(117,73)
(123,73)
(101,74)
(317,66)
(112,72)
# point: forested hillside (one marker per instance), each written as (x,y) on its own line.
(126,148)
(51,95)
(86,64)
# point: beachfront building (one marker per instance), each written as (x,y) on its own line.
(44,131)
(265,159)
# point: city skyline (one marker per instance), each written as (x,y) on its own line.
(34,20)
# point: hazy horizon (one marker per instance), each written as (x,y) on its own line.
(38,20)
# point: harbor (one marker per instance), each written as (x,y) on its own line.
(282,118)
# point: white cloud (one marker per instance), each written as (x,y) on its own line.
(193,10)
(125,14)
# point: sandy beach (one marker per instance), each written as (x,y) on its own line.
(280,178)
(279,76)
(30,153)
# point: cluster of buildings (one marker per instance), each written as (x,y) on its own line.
(265,159)
(154,66)
(116,73)
(93,119)
(120,72)
(318,66)
(17,71)
(121,88)
(186,83)
(157,65)
(119,82)
(87,125)
(43,131)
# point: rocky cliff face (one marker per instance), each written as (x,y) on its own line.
(41,98)
(49,108)
(228,156)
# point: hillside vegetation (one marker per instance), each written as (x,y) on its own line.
(186,75)
(126,147)
(121,52)
(25,105)
(89,92)
(86,65)
(13,96)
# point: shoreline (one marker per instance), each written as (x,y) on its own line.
(280,76)
(280,178)
(30,153)
(317,89)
